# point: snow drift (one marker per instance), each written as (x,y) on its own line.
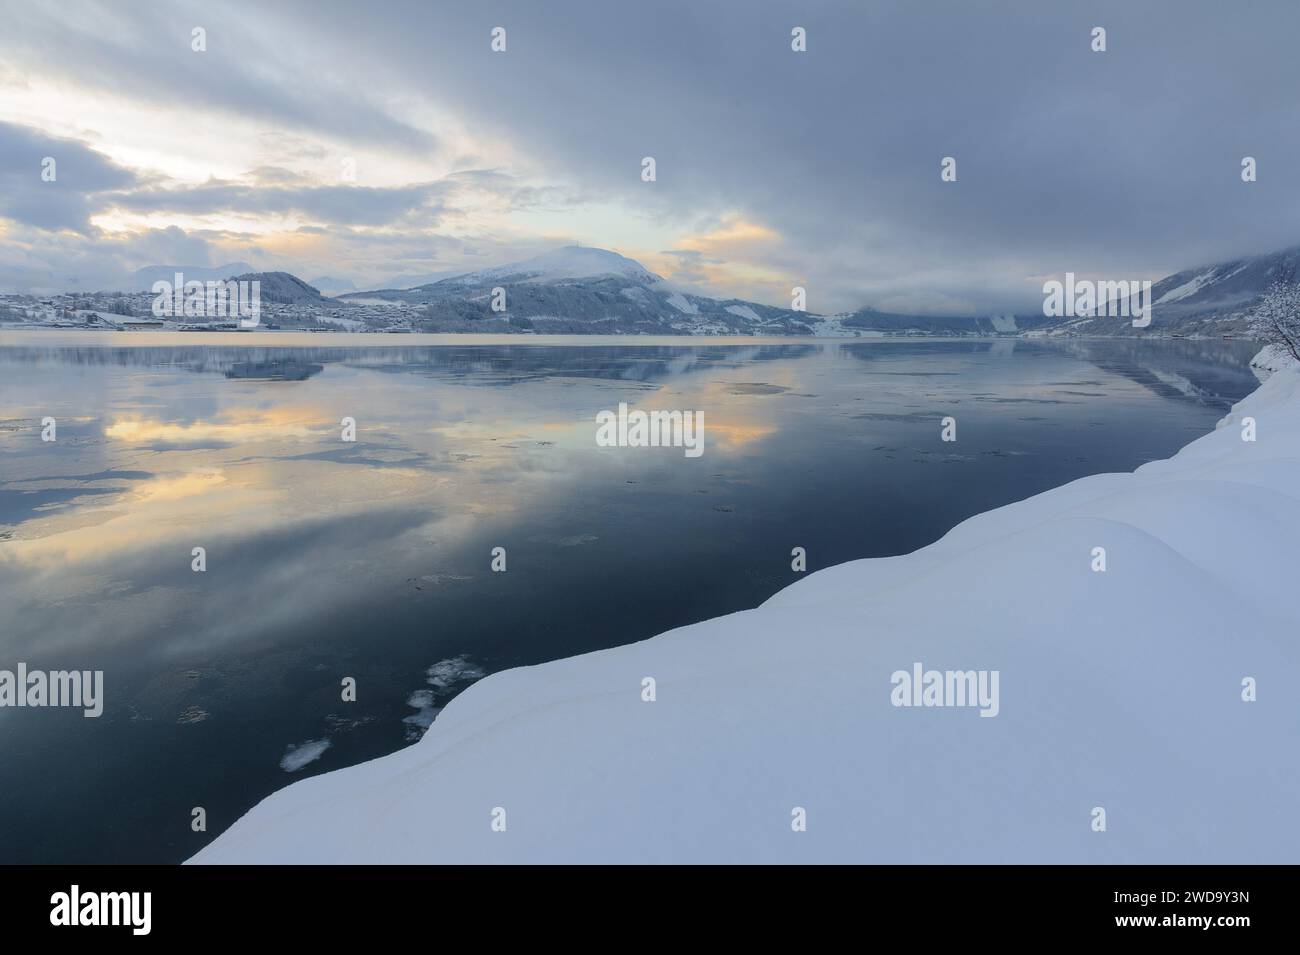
(1120,690)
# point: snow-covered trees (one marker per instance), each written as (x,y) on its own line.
(1276,317)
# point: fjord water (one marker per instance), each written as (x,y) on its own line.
(371,560)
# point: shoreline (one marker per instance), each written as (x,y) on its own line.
(290,338)
(1121,690)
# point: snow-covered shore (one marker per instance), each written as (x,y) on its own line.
(1270,359)
(1120,690)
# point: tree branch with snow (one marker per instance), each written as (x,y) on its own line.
(1276,317)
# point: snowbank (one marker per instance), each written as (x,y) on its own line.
(1120,690)
(1270,359)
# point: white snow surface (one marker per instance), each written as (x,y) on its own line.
(832,326)
(1120,690)
(298,755)
(1188,288)
(569,262)
(1269,360)
(745,312)
(684,305)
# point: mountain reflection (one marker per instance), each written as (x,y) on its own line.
(483,364)
(276,369)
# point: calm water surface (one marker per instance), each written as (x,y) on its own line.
(371,560)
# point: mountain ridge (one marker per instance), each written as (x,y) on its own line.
(284,288)
(585,289)
(581,289)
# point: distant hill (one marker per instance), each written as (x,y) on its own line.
(411,280)
(576,290)
(869,320)
(570,262)
(1208,300)
(285,289)
(583,290)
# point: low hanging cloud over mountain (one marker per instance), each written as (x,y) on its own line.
(313,138)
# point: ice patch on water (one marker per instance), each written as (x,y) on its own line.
(341,724)
(420,699)
(425,712)
(445,677)
(299,755)
(459,669)
(192,714)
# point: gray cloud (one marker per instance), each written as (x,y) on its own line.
(1067,159)
(689,262)
(1125,162)
(349,205)
(143,49)
(67,202)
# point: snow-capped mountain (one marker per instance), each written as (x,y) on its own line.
(412,279)
(1209,300)
(577,290)
(1226,287)
(583,290)
(570,262)
(284,289)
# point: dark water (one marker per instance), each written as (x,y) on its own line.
(371,560)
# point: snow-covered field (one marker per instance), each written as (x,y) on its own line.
(1119,690)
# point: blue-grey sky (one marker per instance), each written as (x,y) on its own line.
(379,139)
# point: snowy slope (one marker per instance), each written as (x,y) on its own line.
(1119,690)
(580,290)
(1211,300)
(284,288)
(569,262)
(1269,360)
(1225,286)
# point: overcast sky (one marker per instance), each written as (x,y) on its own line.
(775,168)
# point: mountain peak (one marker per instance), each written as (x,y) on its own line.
(569,262)
(284,288)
